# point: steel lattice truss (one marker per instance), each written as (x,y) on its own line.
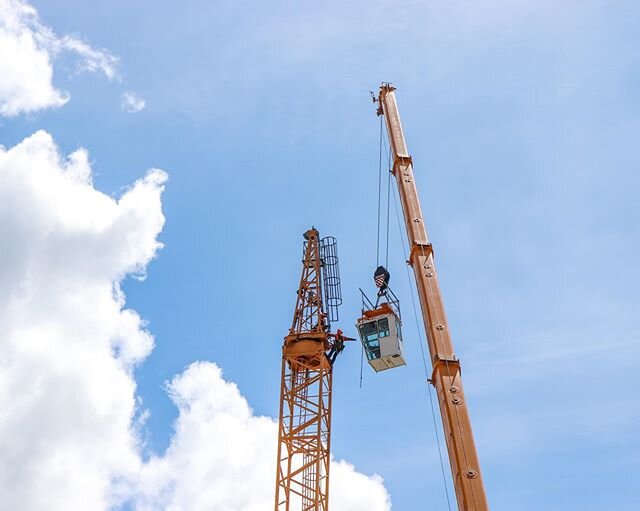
(303,471)
(309,315)
(302,478)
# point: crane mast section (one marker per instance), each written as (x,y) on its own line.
(463,457)
(304,426)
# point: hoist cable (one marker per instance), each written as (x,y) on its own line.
(388,204)
(416,214)
(379,194)
(424,360)
(388,199)
(455,408)
(361,362)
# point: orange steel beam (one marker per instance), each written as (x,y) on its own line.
(463,457)
(302,474)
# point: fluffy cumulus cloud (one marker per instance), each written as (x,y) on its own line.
(68,345)
(27,51)
(220,450)
(70,423)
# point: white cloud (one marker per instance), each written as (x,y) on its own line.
(220,450)
(27,51)
(68,346)
(92,60)
(131,103)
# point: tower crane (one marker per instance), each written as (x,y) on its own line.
(379,327)
(308,354)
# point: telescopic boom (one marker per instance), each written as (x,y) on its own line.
(467,477)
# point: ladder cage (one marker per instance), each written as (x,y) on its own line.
(330,277)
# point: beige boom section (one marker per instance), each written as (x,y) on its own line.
(463,456)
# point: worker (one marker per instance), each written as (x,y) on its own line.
(337,346)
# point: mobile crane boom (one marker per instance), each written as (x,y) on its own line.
(463,457)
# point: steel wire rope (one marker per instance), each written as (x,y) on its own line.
(380,144)
(388,151)
(380,141)
(379,194)
(446,362)
(459,427)
(455,408)
(361,362)
(424,360)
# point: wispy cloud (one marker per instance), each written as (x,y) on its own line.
(92,60)
(28,49)
(131,103)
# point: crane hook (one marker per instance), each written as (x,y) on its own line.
(381,277)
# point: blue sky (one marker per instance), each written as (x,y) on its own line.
(522,119)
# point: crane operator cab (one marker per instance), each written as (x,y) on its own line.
(379,327)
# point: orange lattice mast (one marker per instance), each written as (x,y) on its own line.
(302,478)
